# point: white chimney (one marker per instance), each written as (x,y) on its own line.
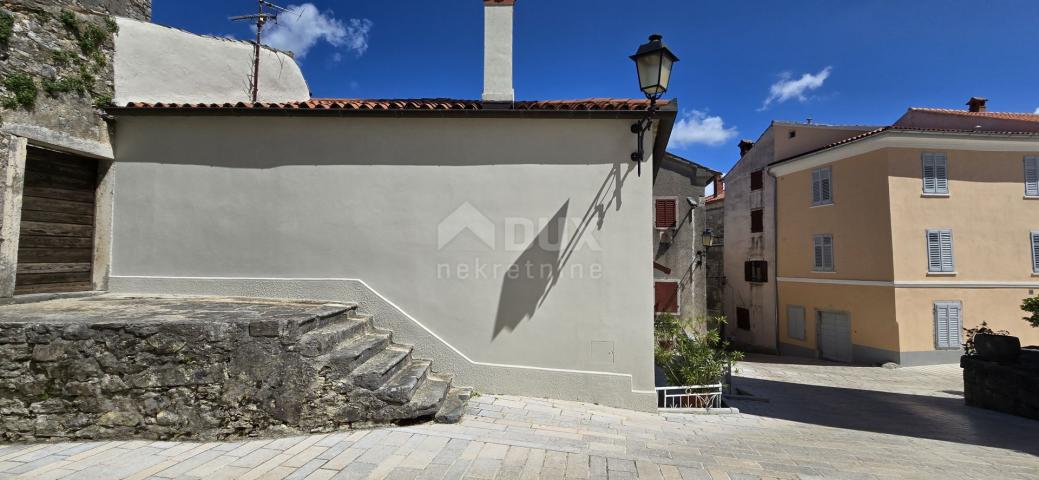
(497,51)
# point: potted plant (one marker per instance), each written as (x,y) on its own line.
(692,355)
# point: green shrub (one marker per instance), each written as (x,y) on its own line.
(89,36)
(6,28)
(701,359)
(1031,305)
(21,92)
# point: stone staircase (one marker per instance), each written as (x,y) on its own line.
(383,380)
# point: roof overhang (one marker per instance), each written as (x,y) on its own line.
(978,141)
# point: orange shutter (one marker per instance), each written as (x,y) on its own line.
(665,212)
(666,297)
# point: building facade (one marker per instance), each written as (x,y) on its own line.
(892,242)
(680,218)
(749,295)
(715,207)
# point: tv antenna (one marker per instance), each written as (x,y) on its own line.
(262,16)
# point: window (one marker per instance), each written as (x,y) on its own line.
(939,251)
(756,271)
(742,318)
(935,175)
(948,323)
(666,212)
(822,253)
(1032,176)
(792,134)
(1035,251)
(822,186)
(795,322)
(665,297)
(757,221)
(756,180)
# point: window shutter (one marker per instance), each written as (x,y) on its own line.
(934,251)
(818,247)
(825,186)
(816,193)
(929,178)
(955,326)
(1032,176)
(1035,252)
(665,212)
(946,238)
(941,175)
(948,323)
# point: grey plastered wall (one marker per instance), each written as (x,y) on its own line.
(741,246)
(389,212)
(716,257)
(679,179)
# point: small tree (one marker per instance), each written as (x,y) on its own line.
(698,360)
(1031,305)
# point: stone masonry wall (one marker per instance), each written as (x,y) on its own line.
(179,379)
(1008,388)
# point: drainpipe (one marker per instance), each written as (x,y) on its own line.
(775,246)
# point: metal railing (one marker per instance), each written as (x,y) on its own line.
(690,396)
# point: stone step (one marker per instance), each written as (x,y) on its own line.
(350,354)
(325,339)
(378,369)
(399,388)
(455,403)
(429,396)
(339,313)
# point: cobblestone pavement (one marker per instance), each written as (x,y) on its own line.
(798,433)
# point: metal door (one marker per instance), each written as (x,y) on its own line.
(835,336)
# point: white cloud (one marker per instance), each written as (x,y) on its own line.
(303,26)
(1036,111)
(787,87)
(696,127)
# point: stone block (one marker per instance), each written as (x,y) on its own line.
(48,352)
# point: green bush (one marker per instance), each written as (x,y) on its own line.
(90,37)
(21,92)
(6,28)
(1031,305)
(700,359)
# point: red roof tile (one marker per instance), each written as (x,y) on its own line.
(438,104)
(1027,117)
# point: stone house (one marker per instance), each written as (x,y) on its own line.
(680,272)
(519,260)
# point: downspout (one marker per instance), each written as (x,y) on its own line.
(775,247)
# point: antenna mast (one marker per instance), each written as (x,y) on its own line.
(261,17)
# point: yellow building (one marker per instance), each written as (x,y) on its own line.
(892,241)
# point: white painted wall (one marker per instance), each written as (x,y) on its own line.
(350,209)
(154,63)
(497,53)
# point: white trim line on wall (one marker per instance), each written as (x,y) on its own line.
(912,283)
(403,312)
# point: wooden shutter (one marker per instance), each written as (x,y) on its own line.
(756,180)
(665,297)
(757,221)
(935,173)
(666,209)
(822,251)
(742,318)
(1035,252)
(795,322)
(1032,176)
(939,251)
(948,323)
(816,192)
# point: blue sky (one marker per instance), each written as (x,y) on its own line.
(857,62)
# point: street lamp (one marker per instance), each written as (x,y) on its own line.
(708,238)
(653,61)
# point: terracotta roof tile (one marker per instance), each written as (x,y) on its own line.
(436,104)
(1027,117)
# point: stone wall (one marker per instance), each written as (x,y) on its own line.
(716,258)
(179,379)
(1008,388)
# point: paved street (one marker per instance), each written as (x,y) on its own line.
(821,421)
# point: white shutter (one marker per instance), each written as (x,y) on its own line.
(947,264)
(1032,176)
(929,180)
(825,186)
(934,251)
(955,326)
(941,324)
(817,247)
(935,173)
(1035,252)
(948,323)
(816,194)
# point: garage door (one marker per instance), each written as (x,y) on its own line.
(55,247)
(835,336)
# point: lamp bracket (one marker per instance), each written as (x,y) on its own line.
(639,129)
